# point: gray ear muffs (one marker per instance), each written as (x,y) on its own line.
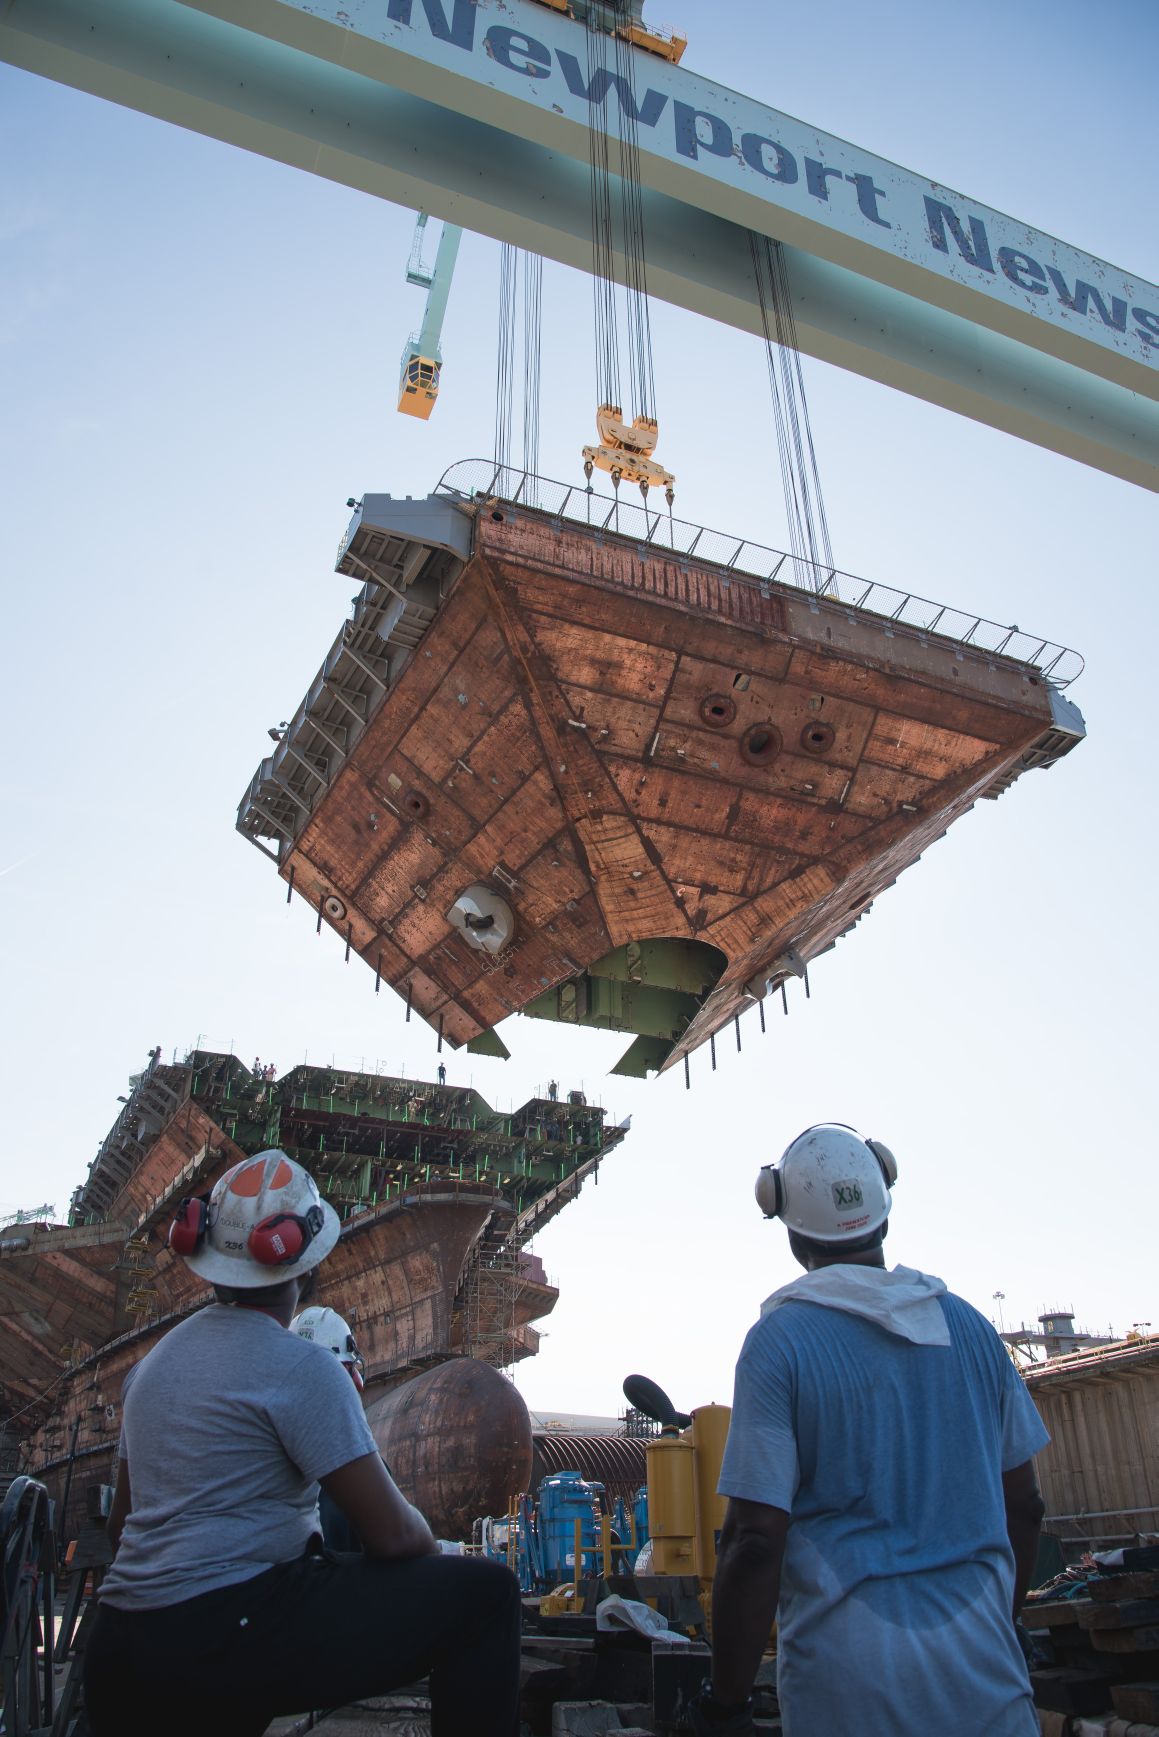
(886,1159)
(770,1191)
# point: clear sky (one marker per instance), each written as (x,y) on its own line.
(198,364)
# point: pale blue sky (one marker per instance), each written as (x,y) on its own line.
(198,364)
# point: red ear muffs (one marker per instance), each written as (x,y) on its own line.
(284,1237)
(187,1232)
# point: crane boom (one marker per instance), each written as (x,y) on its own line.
(422,356)
(479,111)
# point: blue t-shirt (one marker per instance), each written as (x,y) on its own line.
(898,1578)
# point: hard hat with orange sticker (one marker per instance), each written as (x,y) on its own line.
(265,1221)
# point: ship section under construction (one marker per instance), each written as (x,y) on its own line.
(574,758)
(439,1194)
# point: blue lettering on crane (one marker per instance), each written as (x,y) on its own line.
(518,52)
(1083,295)
(1022,270)
(976,251)
(699,132)
(648,112)
(690,139)
(1146,326)
(753,148)
(460,32)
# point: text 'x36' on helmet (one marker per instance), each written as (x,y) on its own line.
(831,1184)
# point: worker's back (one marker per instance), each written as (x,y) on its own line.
(227,1423)
(898,1577)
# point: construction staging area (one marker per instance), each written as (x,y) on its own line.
(574,757)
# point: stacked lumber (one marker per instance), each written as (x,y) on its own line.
(1105,1650)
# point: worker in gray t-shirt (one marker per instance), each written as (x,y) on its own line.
(221,1611)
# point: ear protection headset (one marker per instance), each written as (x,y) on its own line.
(276,1241)
(187,1232)
(284,1237)
(770,1189)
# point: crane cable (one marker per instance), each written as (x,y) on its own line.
(520,354)
(637,320)
(808,522)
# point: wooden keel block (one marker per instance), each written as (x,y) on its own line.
(1124,1613)
(1126,1640)
(1137,1702)
(1061,1690)
(1119,1586)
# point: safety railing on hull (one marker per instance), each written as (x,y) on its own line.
(756,564)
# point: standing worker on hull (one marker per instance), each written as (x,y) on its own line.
(882,1501)
(219,1611)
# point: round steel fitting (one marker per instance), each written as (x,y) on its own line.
(760,744)
(818,738)
(416,805)
(333,907)
(717,711)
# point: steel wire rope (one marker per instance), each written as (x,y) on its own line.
(808,523)
(532,358)
(505,367)
(639,320)
(519,367)
(603,254)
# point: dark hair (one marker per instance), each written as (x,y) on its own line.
(830,1251)
(254,1296)
(268,1296)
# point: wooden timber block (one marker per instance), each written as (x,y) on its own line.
(1141,1584)
(1126,1640)
(1053,1724)
(1054,1612)
(1126,1613)
(1137,1701)
(1062,1690)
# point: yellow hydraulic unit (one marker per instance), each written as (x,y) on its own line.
(685,1514)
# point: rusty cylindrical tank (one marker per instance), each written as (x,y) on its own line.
(458,1442)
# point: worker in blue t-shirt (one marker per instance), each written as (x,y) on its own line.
(220,1611)
(882,1505)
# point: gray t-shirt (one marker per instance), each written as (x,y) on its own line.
(228,1424)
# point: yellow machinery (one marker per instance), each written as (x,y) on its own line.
(631,27)
(685,1514)
(419,385)
(422,359)
(626,449)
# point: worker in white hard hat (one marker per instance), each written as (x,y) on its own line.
(221,1609)
(326,1327)
(882,1502)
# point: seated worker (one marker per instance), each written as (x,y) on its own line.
(219,1612)
(326,1327)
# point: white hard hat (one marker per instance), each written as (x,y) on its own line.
(264,1221)
(831,1185)
(326,1327)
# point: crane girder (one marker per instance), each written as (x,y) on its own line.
(478,111)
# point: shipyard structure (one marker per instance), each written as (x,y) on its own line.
(438,1193)
(574,758)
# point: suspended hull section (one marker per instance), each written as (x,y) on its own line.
(681,781)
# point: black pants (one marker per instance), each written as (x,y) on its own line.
(315,1633)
